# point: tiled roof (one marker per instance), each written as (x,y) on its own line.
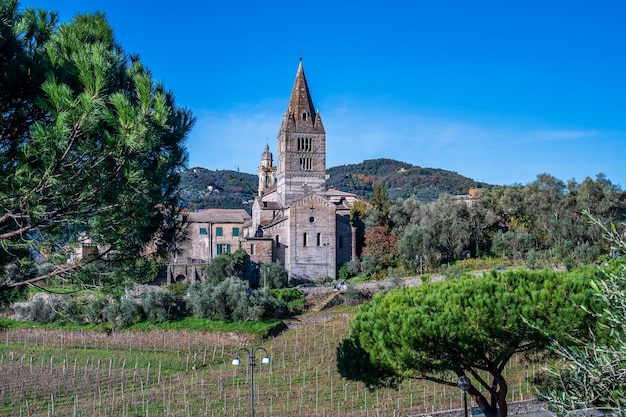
(219,216)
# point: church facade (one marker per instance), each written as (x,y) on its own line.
(308,225)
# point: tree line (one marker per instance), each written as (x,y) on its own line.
(536,224)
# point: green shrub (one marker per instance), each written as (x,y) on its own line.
(74,310)
(273,275)
(160,306)
(293,299)
(94,312)
(43,308)
(231,299)
(130,313)
(177,288)
(349,269)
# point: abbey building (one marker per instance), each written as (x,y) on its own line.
(309,226)
(295,219)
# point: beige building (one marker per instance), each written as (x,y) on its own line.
(210,233)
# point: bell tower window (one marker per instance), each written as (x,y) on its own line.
(305,164)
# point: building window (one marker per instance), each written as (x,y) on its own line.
(203,231)
(305,144)
(304,239)
(251,248)
(219,231)
(305,164)
(235,231)
(319,239)
(221,248)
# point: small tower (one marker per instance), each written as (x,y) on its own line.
(266,171)
(301,146)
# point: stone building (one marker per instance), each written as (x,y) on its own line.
(210,233)
(295,219)
(308,226)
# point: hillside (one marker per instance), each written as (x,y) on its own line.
(202,188)
(400,179)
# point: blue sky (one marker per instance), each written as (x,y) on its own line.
(498,91)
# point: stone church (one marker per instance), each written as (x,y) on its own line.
(307,224)
(295,219)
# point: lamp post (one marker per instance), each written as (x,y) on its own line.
(464,383)
(251,364)
(326,246)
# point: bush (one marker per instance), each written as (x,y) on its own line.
(95,309)
(74,310)
(123,314)
(292,298)
(43,308)
(231,299)
(349,269)
(160,307)
(274,275)
(177,288)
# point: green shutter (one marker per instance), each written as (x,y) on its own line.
(219,231)
(235,231)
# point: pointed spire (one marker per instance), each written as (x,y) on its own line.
(301,115)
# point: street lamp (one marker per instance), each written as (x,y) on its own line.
(464,383)
(326,246)
(251,363)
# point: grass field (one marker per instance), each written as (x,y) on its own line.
(189,373)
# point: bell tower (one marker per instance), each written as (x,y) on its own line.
(266,171)
(301,145)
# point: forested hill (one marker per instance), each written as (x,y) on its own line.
(401,180)
(202,188)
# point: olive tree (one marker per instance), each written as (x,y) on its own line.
(590,372)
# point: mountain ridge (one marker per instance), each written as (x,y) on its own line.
(202,188)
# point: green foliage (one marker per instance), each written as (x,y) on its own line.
(160,306)
(43,308)
(230,299)
(273,275)
(201,188)
(400,180)
(349,269)
(221,267)
(129,313)
(177,288)
(469,324)
(90,147)
(292,298)
(589,371)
